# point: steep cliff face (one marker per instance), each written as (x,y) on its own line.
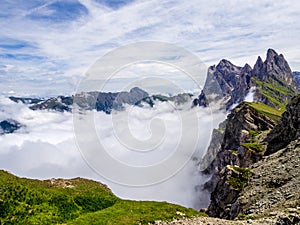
(245,181)
(287,130)
(297,79)
(239,149)
(276,67)
(273,79)
(225,81)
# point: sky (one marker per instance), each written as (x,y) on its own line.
(46,46)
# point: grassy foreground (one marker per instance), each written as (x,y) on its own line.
(76,201)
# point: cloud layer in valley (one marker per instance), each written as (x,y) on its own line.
(45,147)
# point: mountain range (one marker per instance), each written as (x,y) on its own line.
(252,162)
(272,82)
(254,154)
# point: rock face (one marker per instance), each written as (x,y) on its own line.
(287,130)
(245,180)
(234,151)
(59,104)
(101,101)
(9,126)
(275,67)
(273,187)
(25,100)
(232,83)
(297,79)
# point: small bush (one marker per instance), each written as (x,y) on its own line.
(253,146)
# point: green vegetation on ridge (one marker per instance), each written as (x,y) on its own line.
(266,110)
(240,177)
(276,91)
(75,201)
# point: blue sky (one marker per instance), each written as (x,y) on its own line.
(47,46)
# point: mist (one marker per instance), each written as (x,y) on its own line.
(46,147)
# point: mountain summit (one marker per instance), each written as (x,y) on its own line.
(271,81)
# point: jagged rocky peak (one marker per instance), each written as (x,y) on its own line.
(246,69)
(273,79)
(225,65)
(271,54)
(257,66)
(275,66)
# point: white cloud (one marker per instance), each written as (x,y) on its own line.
(213,30)
(46,147)
(56,54)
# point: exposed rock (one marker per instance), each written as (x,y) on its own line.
(205,164)
(232,83)
(240,122)
(51,104)
(250,184)
(216,221)
(275,67)
(25,100)
(288,128)
(101,101)
(225,81)
(273,189)
(9,126)
(297,79)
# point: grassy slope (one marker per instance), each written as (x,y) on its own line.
(268,111)
(75,201)
(274,91)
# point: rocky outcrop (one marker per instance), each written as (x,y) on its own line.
(25,100)
(9,126)
(225,81)
(273,187)
(287,130)
(273,78)
(297,79)
(276,67)
(237,151)
(53,104)
(101,101)
(205,164)
(248,183)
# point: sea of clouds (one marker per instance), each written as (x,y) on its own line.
(45,147)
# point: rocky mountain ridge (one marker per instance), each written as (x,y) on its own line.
(101,101)
(272,82)
(254,150)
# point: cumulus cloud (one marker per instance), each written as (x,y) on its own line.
(213,30)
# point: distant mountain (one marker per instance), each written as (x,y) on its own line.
(9,126)
(101,101)
(297,78)
(272,81)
